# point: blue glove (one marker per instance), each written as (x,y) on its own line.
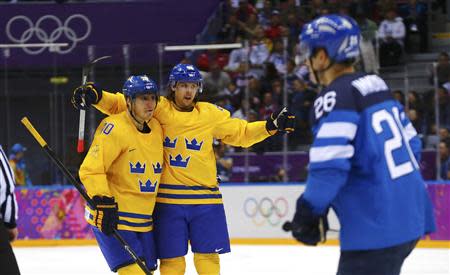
(308,227)
(106,214)
(92,95)
(282,121)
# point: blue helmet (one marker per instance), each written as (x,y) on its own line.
(338,35)
(139,85)
(186,73)
(17,148)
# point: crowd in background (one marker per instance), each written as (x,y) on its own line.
(390,30)
(250,81)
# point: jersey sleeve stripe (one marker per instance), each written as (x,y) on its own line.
(337,130)
(321,154)
(323,142)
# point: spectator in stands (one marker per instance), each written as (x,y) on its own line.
(301,101)
(205,59)
(398,95)
(445,160)
(18,165)
(391,34)
(234,93)
(259,53)
(224,163)
(444,135)
(277,92)
(443,69)
(273,31)
(444,109)
(254,92)
(224,102)
(249,27)
(431,140)
(244,10)
(216,80)
(230,30)
(265,13)
(290,73)
(241,113)
(236,57)
(289,7)
(368,33)
(382,8)
(414,14)
(270,74)
(277,57)
(268,106)
(415,102)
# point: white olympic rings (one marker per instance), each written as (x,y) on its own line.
(36,31)
(266,210)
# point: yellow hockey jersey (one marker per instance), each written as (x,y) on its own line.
(127,165)
(189,174)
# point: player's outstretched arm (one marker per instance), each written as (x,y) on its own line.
(239,132)
(106,102)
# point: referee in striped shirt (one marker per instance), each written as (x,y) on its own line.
(8,217)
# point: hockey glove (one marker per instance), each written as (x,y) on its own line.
(282,121)
(106,214)
(308,227)
(91,93)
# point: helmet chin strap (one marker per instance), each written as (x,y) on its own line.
(316,72)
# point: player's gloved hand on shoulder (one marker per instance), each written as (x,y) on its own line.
(281,121)
(91,93)
(106,214)
(307,227)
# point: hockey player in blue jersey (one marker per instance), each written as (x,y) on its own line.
(363,160)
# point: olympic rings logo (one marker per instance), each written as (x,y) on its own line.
(62,31)
(266,210)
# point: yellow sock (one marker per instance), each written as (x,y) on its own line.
(172,266)
(207,264)
(132,269)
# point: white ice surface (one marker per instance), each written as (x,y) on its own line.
(243,260)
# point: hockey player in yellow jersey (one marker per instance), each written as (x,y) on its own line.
(189,204)
(122,172)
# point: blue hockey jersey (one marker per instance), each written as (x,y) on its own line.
(364,164)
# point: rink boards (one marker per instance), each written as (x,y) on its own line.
(255,215)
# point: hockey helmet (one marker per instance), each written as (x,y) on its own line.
(186,73)
(338,35)
(139,85)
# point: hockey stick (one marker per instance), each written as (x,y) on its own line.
(80,189)
(289,226)
(85,73)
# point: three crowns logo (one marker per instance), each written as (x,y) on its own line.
(167,143)
(157,168)
(178,161)
(193,145)
(137,169)
(148,186)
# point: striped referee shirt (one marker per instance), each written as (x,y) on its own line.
(8,203)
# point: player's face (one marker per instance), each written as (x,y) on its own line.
(185,93)
(143,106)
(317,63)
